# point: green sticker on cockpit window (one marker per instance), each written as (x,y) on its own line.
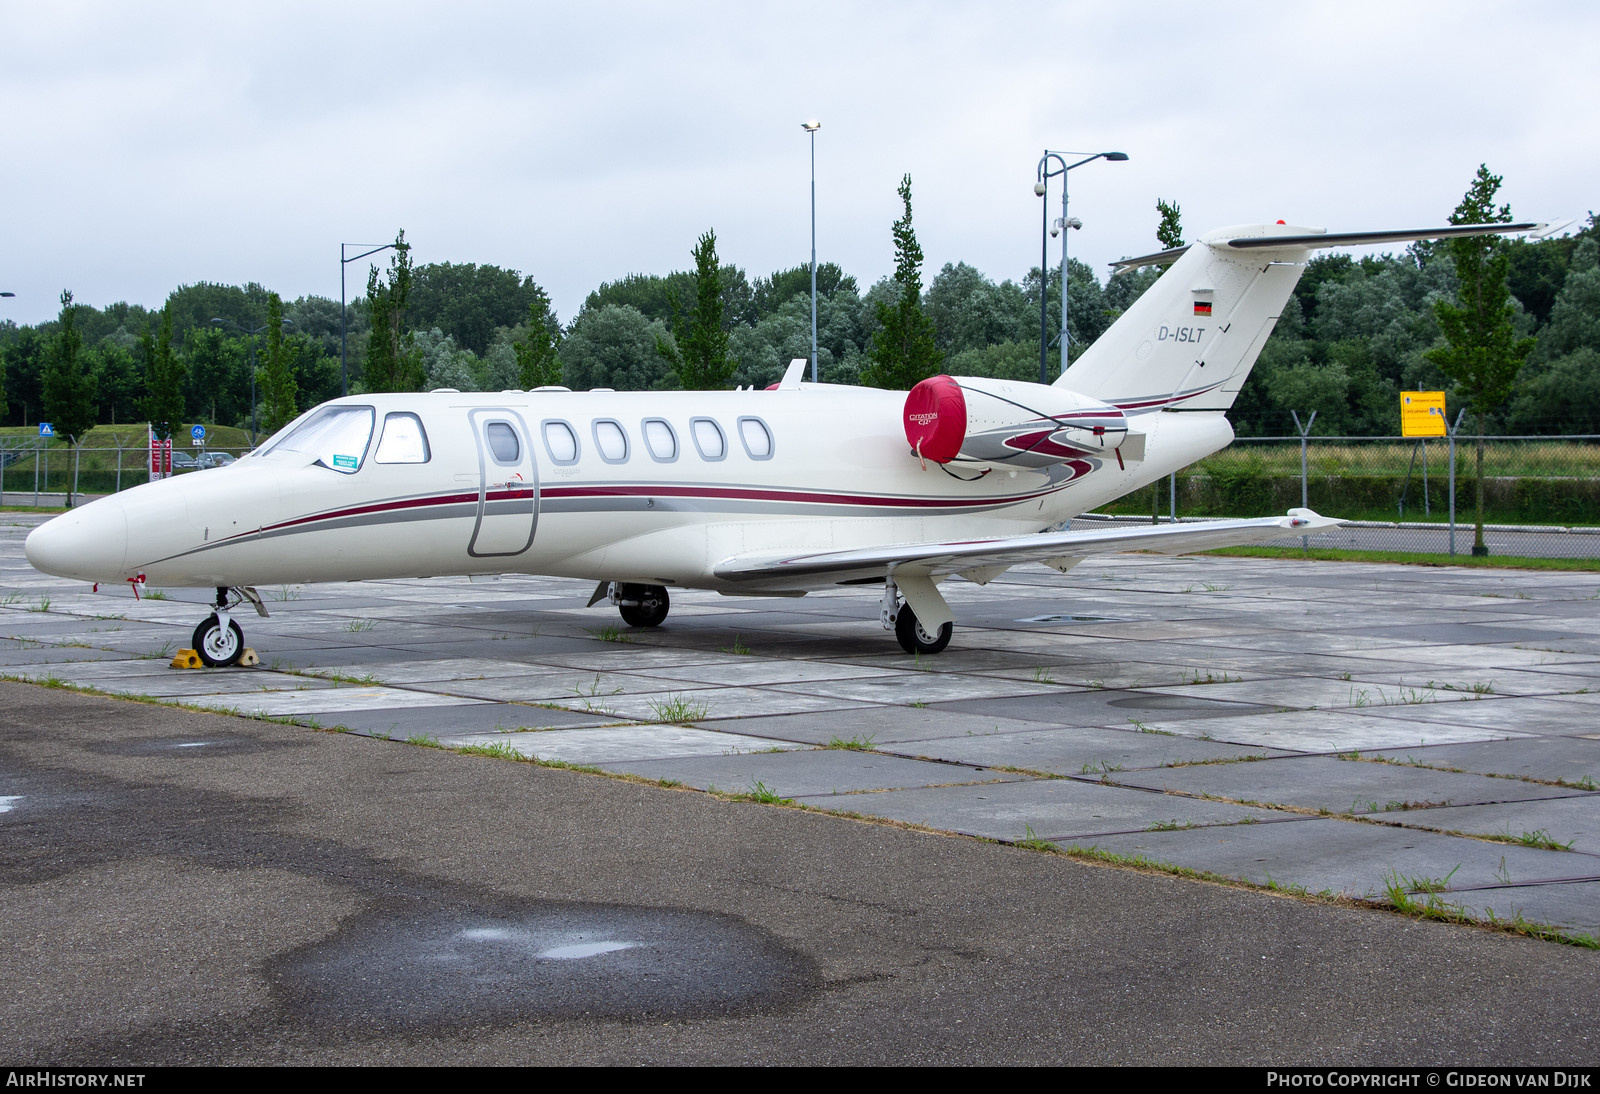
(345,461)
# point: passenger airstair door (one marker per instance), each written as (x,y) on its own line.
(508,484)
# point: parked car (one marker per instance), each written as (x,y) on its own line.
(214,459)
(182,461)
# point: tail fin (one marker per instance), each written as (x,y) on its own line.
(1190,341)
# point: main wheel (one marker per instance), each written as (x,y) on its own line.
(912,637)
(219,646)
(642,605)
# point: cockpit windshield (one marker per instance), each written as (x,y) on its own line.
(335,437)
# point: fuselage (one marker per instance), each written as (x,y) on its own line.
(650,487)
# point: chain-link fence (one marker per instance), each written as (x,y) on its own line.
(34,472)
(1541,495)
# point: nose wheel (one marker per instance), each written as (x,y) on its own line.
(218,639)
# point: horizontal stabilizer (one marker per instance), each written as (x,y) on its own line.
(1367,239)
(1320,240)
(942,559)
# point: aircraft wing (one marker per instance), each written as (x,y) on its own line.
(1058,549)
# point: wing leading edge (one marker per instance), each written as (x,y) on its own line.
(991,557)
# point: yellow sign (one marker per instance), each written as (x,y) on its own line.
(1422,414)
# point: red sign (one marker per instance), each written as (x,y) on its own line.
(160,457)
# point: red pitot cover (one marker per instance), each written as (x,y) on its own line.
(936,419)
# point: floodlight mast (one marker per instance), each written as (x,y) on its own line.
(1045,174)
(811,127)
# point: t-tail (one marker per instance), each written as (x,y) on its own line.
(1190,341)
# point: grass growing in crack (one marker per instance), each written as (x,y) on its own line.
(356,625)
(1194,677)
(423,740)
(1213,588)
(285,592)
(1541,838)
(1043,676)
(852,744)
(1142,728)
(42,606)
(156,594)
(1032,842)
(11,598)
(1103,767)
(759,792)
(918,703)
(1169,826)
(678,709)
(611,633)
(738,649)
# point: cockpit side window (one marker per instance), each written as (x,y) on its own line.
(403,441)
(336,437)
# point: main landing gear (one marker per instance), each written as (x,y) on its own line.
(640,605)
(913,637)
(218,639)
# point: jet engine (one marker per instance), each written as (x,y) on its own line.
(1007,423)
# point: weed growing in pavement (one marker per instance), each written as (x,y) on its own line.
(678,709)
(156,594)
(42,606)
(1194,677)
(423,740)
(1169,826)
(758,792)
(1541,838)
(738,649)
(11,598)
(356,625)
(611,633)
(1104,767)
(285,592)
(852,744)
(1213,588)
(1043,676)
(1031,842)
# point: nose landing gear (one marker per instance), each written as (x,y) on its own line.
(218,639)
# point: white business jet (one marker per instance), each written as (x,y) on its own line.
(756,493)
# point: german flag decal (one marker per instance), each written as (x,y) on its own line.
(1202,307)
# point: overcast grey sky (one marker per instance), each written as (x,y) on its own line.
(151,145)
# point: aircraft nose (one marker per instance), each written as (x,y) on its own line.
(87,544)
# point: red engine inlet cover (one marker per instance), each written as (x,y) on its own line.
(936,419)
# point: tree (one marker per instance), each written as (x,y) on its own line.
(614,346)
(1482,354)
(277,383)
(1169,233)
(538,358)
(68,387)
(699,352)
(393,362)
(903,349)
(163,402)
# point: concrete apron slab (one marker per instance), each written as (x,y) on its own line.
(815,775)
(617,744)
(1349,858)
(1075,751)
(1049,809)
(1573,759)
(1337,786)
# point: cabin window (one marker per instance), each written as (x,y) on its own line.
(708,438)
(335,437)
(561,442)
(611,440)
(503,443)
(660,440)
(403,441)
(757,438)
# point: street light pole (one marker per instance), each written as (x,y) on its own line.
(1042,187)
(811,127)
(344,372)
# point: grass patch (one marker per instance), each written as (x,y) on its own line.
(852,744)
(611,633)
(1336,554)
(678,709)
(738,649)
(1031,842)
(759,793)
(357,625)
(423,740)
